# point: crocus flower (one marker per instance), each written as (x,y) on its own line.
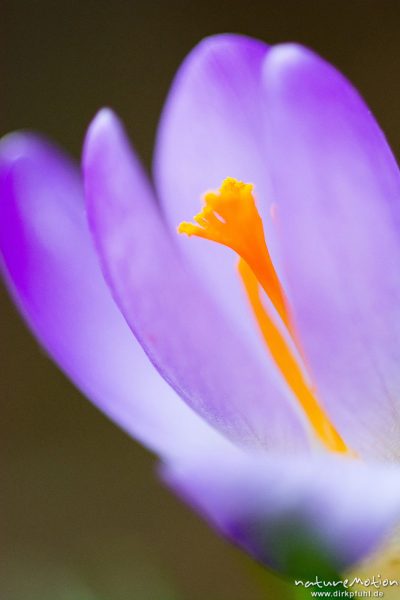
(273,406)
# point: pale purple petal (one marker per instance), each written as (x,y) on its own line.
(211,128)
(299,515)
(337,196)
(184,334)
(53,273)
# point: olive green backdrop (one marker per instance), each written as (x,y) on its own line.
(83,516)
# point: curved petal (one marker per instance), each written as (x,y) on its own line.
(184,334)
(211,129)
(53,274)
(301,516)
(337,196)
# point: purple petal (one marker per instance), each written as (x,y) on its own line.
(53,273)
(211,128)
(337,195)
(297,515)
(184,334)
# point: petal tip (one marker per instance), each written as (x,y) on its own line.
(219,46)
(221,40)
(105,117)
(286,56)
(104,136)
(105,123)
(17,145)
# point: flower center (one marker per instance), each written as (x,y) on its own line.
(230,217)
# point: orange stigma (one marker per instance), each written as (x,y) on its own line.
(230,217)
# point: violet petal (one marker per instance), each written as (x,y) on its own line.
(52,271)
(303,516)
(211,128)
(337,196)
(188,339)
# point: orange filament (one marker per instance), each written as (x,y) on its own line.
(230,217)
(288,365)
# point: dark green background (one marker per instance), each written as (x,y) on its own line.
(83,516)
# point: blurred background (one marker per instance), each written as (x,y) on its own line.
(83,515)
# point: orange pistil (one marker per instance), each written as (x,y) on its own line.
(230,217)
